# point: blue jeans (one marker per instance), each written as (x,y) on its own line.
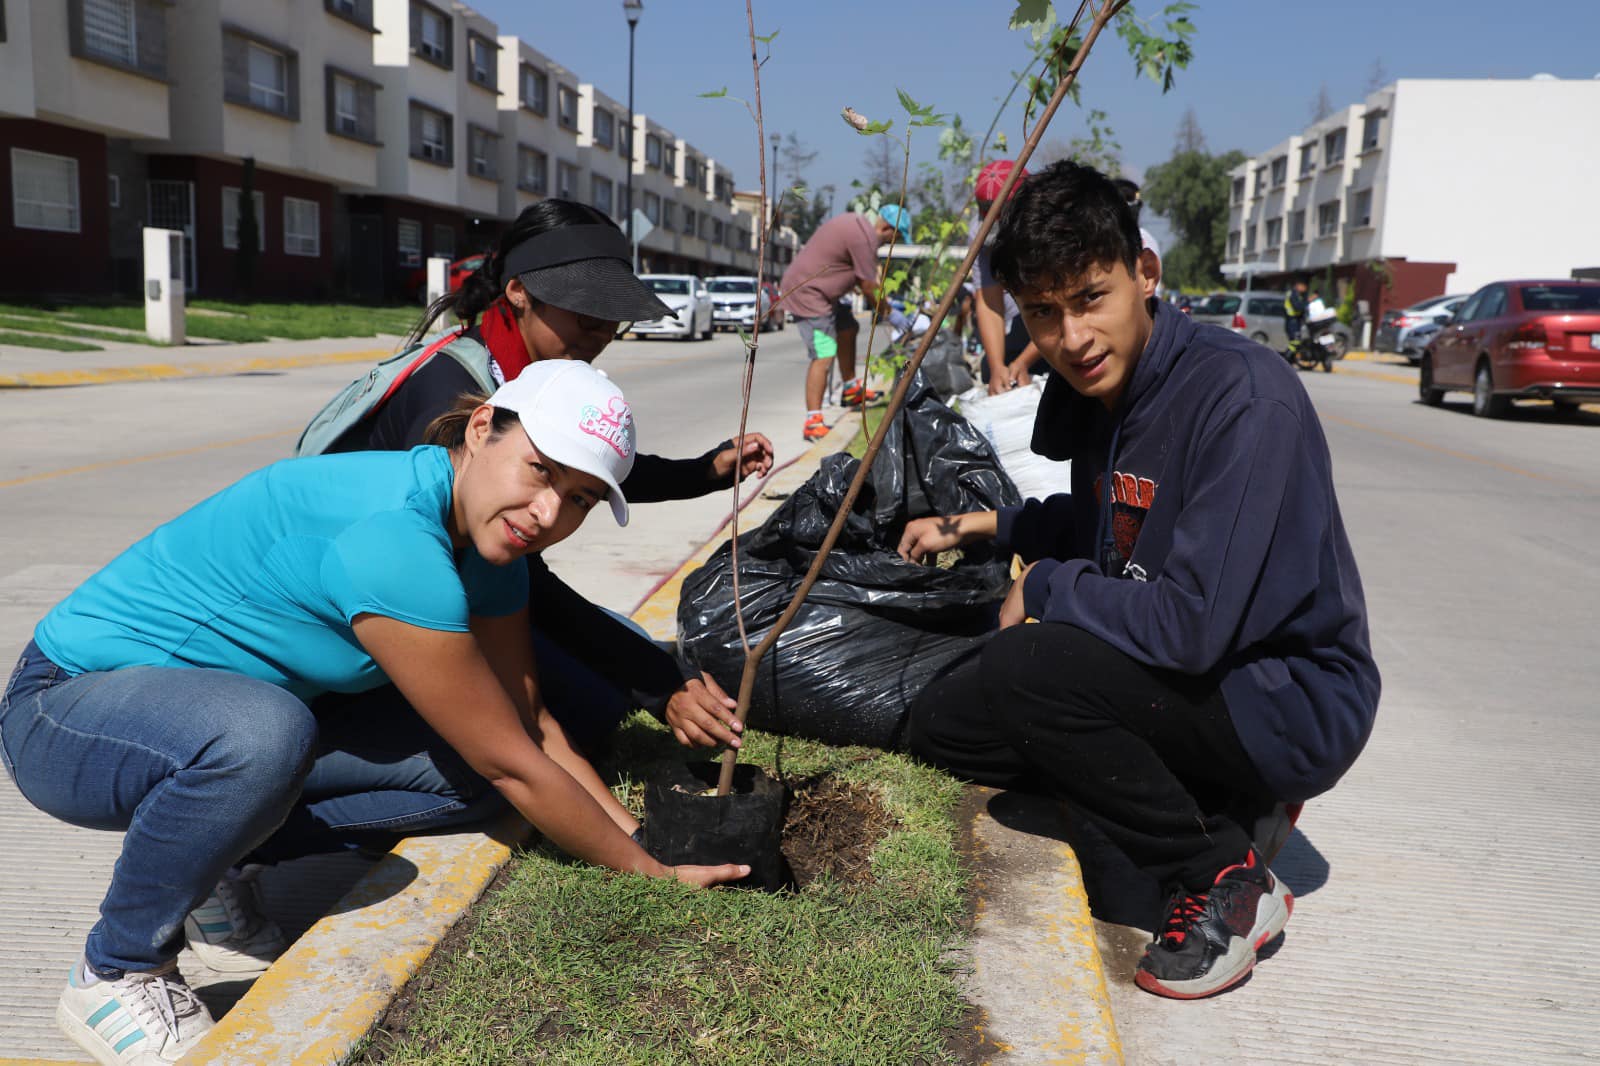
(588,705)
(204,769)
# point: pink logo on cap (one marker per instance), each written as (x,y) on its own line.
(614,425)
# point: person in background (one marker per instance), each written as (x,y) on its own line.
(1201,662)
(841,255)
(1008,355)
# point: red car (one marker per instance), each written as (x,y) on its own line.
(417,283)
(778,315)
(1518,340)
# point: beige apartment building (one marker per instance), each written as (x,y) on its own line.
(370,134)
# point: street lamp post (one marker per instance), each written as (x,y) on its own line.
(632,9)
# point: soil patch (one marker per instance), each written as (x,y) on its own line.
(831,828)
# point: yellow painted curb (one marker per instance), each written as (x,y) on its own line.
(56,379)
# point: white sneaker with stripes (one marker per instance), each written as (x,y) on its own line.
(144,1019)
(229,932)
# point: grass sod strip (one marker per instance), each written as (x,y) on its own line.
(57,328)
(55,344)
(567,963)
(236,322)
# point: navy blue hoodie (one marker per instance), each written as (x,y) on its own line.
(1223,552)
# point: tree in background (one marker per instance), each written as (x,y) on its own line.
(1190,191)
(802,209)
(1377,75)
(1322,105)
(244,260)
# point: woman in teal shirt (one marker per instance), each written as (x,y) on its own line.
(173,694)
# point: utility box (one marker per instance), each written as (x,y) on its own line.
(164,286)
(438,277)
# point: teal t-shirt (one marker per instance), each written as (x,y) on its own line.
(264,578)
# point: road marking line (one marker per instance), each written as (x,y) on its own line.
(175,454)
(56,379)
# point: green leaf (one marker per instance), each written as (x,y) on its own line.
(1035,15)
(768,39)
(715,95)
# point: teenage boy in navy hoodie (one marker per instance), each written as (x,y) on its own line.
(1202,654)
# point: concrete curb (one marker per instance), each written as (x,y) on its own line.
(317,1002)
(55,379)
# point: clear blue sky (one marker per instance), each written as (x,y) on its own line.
(1258,65)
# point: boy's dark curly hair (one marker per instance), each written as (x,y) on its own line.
(1060,222)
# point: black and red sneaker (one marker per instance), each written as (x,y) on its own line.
(856,394)
(1209,940)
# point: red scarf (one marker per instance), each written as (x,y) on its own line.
(503,338)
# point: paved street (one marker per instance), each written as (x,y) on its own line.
(84,472)
(1444,888)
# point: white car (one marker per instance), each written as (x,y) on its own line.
(733,302)
(686,295)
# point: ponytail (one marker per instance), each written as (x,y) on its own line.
(449,430)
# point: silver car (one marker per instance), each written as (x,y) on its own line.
(1401,331)
(1257,314)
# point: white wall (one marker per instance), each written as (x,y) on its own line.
(16,63)
(1496,176)
(85,94)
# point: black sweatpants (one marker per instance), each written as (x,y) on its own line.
(1149,756)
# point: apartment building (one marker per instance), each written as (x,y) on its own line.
(1426,186)
(378,133)
(783,243)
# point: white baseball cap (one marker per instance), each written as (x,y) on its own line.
(578,417)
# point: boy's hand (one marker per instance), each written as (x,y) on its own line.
(932,535)
(701,714)
(1012,612)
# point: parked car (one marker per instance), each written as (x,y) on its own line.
(1401,330)
(1515,340)
(417,282)
(687,296)
(1257,314)
(734,299)
(777,317)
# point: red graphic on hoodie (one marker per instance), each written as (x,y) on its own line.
(1131,499)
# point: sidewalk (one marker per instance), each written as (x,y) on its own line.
(37,368)
(1035,969)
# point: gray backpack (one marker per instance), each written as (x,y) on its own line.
(362,398)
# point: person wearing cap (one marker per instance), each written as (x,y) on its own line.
(842,254)
(177,694)
(559,285)
(1008,354)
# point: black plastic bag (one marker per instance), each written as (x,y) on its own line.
(875,628)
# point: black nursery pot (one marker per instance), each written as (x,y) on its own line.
(684,827)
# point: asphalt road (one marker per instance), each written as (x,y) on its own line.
(1445,887)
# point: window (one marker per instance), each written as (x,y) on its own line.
(1274,232)
(444,241)
(535,90)
(1280,170)
(430,134)
(691,171)
(230,218)
(1308,159)
(716,231)
(1327,218)
(408,239)
(44,191)
(652,208)
(691,223)
(532,168)
(600,193)
(430,34)
(1333,147)
(567,107)
(1238,190)
(1362,215)
(110,30)
(481,60)
(356,11)
(1297,227)
(302,227)
(604,128)
(1261,180)
(482,148)
(669,158)
(652,151)
(352,106)
(1233,245)
(269,79)
(113,190)
(669,212)
(1249,239)
(566,180)
(1369,131)
(624,140)
(345,118)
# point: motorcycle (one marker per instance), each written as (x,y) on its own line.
(1318,345)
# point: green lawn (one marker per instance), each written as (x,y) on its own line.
(55,344)
(566,963)
(218,320)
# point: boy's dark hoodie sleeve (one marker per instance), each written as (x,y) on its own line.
(654,479)
(1243,556)
(1039,529)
